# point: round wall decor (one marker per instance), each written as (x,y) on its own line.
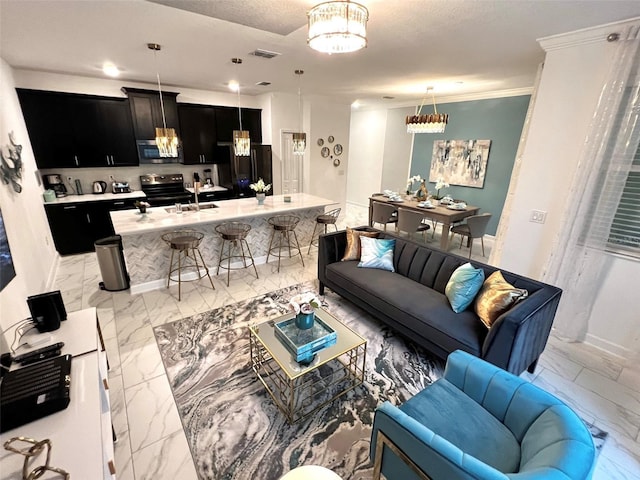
(337,149)
(325,152)
(330,139)
(336,162)
(320,142)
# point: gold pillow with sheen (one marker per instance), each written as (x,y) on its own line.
(352,252)
(496,297)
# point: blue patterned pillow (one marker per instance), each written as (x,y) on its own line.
(463,286)
(377,253)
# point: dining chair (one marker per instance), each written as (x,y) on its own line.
(384,213)
(474,227)
(411,222)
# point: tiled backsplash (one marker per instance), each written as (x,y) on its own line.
(123,174)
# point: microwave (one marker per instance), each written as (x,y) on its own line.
(148,153)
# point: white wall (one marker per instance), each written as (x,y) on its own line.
(112,88)
(366,145)
(398,145)
(327,118)
(34,256)
(572,79)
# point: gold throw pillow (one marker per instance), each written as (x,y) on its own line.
(496,297)
(352,252)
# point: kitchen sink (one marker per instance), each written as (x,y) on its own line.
(191,208)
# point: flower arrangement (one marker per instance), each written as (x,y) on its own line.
(141,205)
(440,183)
(260,186)
(305,302)
(410,180)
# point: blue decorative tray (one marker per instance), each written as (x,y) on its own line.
(304,344)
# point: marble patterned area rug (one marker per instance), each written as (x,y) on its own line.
(234,429)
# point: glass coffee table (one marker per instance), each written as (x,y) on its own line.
(300,389)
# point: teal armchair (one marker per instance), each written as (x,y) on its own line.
(480,422)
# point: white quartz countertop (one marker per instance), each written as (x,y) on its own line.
(131,222)
(97,197)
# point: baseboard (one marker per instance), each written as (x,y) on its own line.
(162,282)
(607,346)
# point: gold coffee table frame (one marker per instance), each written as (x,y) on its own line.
(300,390)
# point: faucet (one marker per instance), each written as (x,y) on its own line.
(196,189)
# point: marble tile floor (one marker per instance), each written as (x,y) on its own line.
(601,387)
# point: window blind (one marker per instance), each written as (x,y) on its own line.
(624,235)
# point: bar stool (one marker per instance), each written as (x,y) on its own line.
(186,243)
(327,218)
(234,234)
(284,225)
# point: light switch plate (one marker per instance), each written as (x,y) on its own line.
(538,216)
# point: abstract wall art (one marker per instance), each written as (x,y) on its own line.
(7,271)
(460,162)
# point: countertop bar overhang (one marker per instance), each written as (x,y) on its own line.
(147,255)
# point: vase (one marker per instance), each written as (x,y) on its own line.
(304,321)
(260,197)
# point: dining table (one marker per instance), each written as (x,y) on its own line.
(444,214)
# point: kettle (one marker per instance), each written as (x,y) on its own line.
(99,187)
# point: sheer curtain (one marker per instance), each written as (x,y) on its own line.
(579,259)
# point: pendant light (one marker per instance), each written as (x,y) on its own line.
(338,27)
(432,123)
(241,140)
(299,137)
(166,138)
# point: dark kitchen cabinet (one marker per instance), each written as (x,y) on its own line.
(227,120)
(76,226)
(119,142)
(198,128)
(212,196)
(48,123)
(146,112)
(69,130)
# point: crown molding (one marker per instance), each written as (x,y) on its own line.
(466,97)
(585,36)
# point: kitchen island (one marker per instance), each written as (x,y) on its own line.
(147,255)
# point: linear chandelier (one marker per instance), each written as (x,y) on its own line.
(166,138)
(241,140)
(430,123)
(338,27)
(299,137)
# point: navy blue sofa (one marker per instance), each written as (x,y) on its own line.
(412,301)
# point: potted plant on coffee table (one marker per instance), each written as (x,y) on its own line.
(304,304)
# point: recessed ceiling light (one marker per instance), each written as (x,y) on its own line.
(356,104)
(233,86)
(110,69)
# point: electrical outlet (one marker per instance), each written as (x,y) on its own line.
(538,216)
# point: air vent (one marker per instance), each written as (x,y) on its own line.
(264,54)
(263,84)
(388,97)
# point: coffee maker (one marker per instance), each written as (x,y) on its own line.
(55,183)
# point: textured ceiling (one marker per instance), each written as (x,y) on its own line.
(291,15)
(458,46)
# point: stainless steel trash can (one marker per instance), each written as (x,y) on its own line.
(111,262)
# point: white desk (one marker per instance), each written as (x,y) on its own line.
(81,434)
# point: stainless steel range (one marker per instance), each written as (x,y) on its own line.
(165,189)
